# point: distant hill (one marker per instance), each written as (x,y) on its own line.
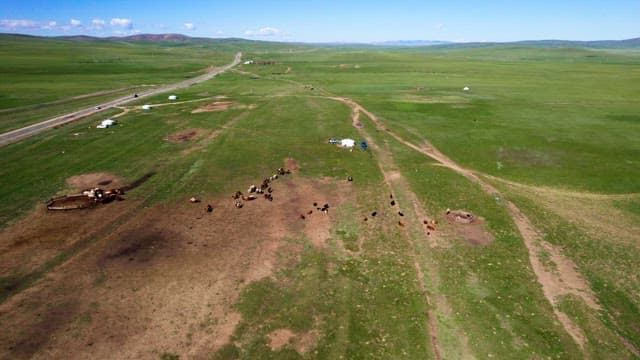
(606,44)
(411,43)
(179,38)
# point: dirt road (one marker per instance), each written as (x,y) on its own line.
(28,131)
(565,280)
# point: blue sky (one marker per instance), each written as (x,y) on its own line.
(329,20)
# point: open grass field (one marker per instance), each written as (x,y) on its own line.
(541,152)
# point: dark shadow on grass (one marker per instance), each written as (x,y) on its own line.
(139,181)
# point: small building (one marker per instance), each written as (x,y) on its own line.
(347,143)
(146,107)
(172,97)
(106,123)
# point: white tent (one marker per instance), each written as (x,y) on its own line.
(146,107)
(348,143)
(172,97)
(106,123)
(466,88)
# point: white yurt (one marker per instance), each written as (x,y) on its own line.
(172,97)
(347,143)
(146,107)
(466,88)
(106,123)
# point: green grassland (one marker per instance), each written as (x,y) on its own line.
(558,118)
(41,77)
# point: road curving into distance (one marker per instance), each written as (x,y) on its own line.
(28,131)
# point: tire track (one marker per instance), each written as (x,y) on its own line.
(394,179)
(563,280)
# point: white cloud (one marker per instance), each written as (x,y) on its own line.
(75,22)
(189,26)
(121,22)
(18,24)
(98,24)
(265,31)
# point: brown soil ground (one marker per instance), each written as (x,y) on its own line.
(292,164)
(300,342)
(163,279)
(183,136)
(470,227)
(222,106)
(214,106)
(101,179)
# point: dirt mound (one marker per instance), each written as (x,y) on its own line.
(214,106)
(292,164)
(469,226)
(93,180)
(183,136)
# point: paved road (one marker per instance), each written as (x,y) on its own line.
(27,131)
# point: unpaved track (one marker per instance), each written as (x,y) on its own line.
(31,130)
(564,280)
(394,179)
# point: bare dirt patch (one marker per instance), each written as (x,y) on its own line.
(184,136)
(214,106)
(165,280)
(470,227)
(292,164)
(300,342)
(222,106)
(93,180)
(280,338)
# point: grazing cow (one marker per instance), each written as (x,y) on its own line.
(365,219)
(400,213)
(431,228)
(270,190)
(252,189)
(448,211)
(259,191)
(400,223)
(281,171)
(425,222)
(209,208)
(391,196)
(309,212)
(302,217)
(248,198)
(349,178)
(315,204)
(268,197)
(193,198)
(237,195)
(239,204)
(374,213)
(393,203)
